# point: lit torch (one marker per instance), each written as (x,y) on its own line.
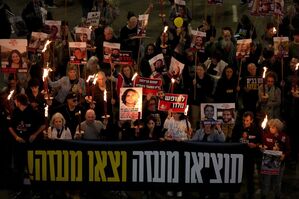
(164,37)
(46,45)
(47,111)
(264,123)
(94,85)
(186,118)
(10,95)
(87,83)
(45,80)
(264,76)
(134,78)
(105,103)
(296,77)
(172,85)
(274,31)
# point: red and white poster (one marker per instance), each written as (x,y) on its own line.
(130,103)
(111,52)
(78,52)
(125,58)
(198,40)
(175,102)
(157,63)
(271,162)
(176,67)
(13,55)
(149,85)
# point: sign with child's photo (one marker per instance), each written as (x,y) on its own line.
(130,103)
(175,102)
(281,46)
(271,162)
(37,41)
(13,55)
(78,52)
(224,113)
(111,52)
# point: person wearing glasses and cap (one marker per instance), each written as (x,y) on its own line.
(71,112)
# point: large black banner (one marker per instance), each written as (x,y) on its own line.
(137,165)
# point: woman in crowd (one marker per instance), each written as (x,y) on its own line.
(66,84)
(57,129)
(150,52)
(226,89)
(274,139)
(201,93)
(124,78)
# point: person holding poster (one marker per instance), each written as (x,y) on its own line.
(124,78)
(149,53)
(249,133)
(131,104)
(274,139)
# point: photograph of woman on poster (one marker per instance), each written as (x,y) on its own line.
(130,98)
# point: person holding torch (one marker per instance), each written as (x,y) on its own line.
(274,139)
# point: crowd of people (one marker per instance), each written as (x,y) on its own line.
(66,106)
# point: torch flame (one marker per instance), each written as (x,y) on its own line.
(186,110)
(46,45)
(134,76)
(47,111)
(95,79)
(105,95)
(264,123)
(172,80)
(46,73)
(274,30)
(90,77)
(165,29)
(297,65)
(265,70)
(90,27)
(10,94)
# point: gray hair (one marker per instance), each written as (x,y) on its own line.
(57,115)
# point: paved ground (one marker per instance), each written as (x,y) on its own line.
(222,16)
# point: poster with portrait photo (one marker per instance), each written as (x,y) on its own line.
(198,40)
(271,162)
(82,35)
(176,102)
(52,28)
(215,112)
(78,52)
(215,2)
(13,55)
(93,19)
(176,67)
(157,63)
(142,25)
(130,103)
(243,48)
(37,41)
(281,46)
(111,51)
